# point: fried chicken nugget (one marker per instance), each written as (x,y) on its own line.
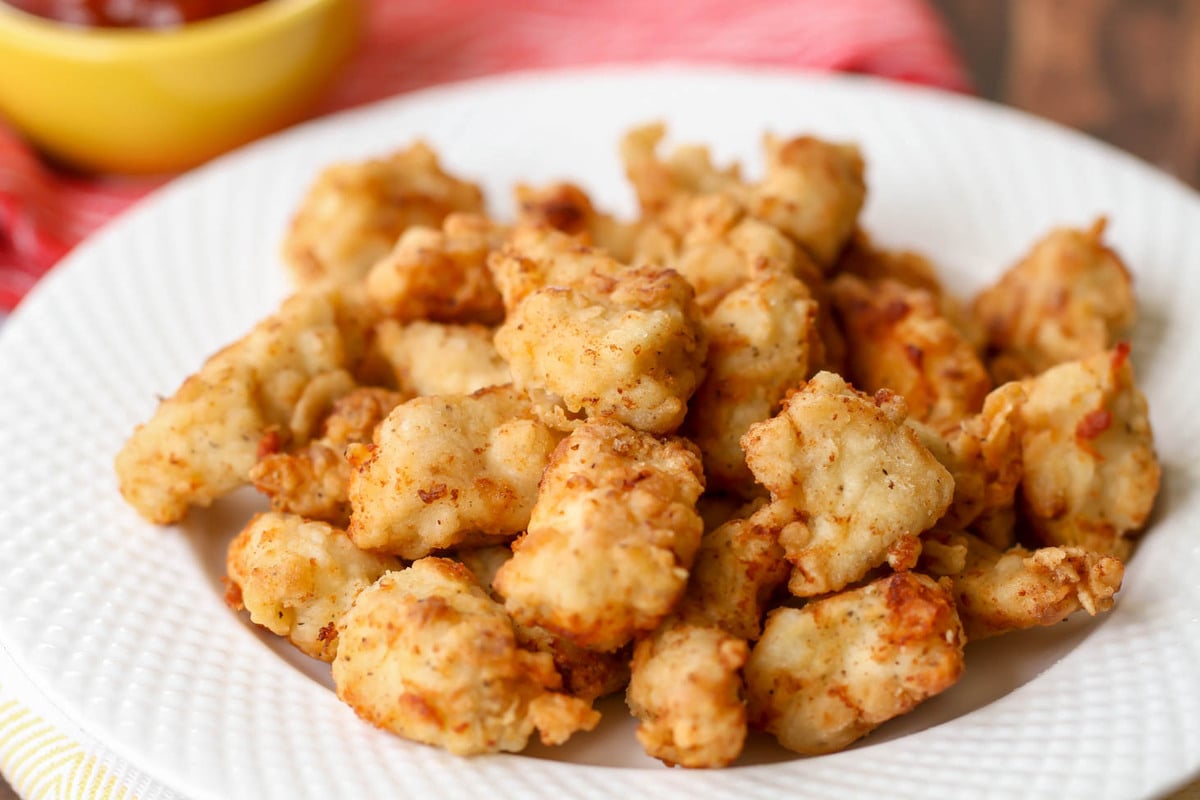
(353,213)
(611,538)
(1000,591)
(685,688)
(827,674)
(202,441)
(426,654)
(687,171)
(897,339)
(567,208)
(760,337)
(448,470)
(312,480)
(1091,474)
(297,578)
(440,274)
(1070,298)
(851,485)
(430,358)
(595,338)
(586,674)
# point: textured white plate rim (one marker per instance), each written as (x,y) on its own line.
(60,281)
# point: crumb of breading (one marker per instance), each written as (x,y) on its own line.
(447,470)
(1091,474)
(427,654)
(611,538)
(354,212)
(297,577)
(851,485)
(827,674)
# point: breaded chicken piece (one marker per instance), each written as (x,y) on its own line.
(440,274)
(827,674)
(312,480)
(297,578)
(897,339)
(813,191)
(851,485)
(354,212)
(686,691)
(1000,591)
(611,538)
(202,441)
(586,674)
(1070,298)
(983,454)
(687,171)
(1091,474)
(567,208)
(425,653)
(430,358)
(448,470)
(624,343)
(535,257)
(760,336)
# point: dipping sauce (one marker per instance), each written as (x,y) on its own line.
(129,13)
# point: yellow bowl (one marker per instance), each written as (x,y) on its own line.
(142,101)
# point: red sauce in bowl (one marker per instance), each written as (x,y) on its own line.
(129,13)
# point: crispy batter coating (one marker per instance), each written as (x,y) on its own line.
(611,538)
(851,485)
(897,339)
(1091,474)
(812,191)
(983,454)
(297,578)
(448,470)
(625,343)
(202,441)
(354,212)
(430,358)
(1000,591)
(827,674)
(685,688)
(1070,298)
(311,480)
(760,336)
(425,653)
(586,674)
(567,208)
(687,171)
(440,274)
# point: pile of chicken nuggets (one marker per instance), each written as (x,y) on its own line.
(730,458)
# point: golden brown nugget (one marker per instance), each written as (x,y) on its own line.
(661,182)
(312,480)
(534,257)
(1091,474)
(851,485)
(586,674)
(1070,298)
(297,578)
(440,274)
(827,674)
(448,470)
(897,339)
(354,212)
(202,441)
(430,358)
(760,337)
(1001,591)
(625,343)
(425,653)
(611,538)
(685,689)
(567,208)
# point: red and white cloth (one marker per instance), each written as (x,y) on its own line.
(45,211)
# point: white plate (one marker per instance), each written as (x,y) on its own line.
(123,627)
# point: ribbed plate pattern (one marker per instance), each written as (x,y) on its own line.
(122,625)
